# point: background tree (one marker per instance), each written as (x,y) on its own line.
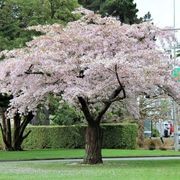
(45,11)
(56,111)
(94,5)
(12,139)
(12,35)
(16,15)
(90,62)
(124,10)
(64,114)
(155,109)
(147,17)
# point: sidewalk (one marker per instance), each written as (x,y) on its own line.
(164,157)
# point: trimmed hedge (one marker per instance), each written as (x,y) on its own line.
(54,137)
(122,136)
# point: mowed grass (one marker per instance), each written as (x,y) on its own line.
(116,170)
(79,153)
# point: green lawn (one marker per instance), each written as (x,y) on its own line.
(128,170)
(78,153)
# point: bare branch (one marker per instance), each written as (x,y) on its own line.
(26,135)
(118,79)
(29,71)
(85,109)
(111,99)
(114,97)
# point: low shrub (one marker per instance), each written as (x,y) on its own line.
(157,143)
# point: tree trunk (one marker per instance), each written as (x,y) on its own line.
(93,144)
(19,127)
(6,131)
(13,142)
(16,135)
(141,132)
(94,132)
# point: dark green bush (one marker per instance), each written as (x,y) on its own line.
(121,136)
(64,114)
(55,137)
(155,133)
(1,143)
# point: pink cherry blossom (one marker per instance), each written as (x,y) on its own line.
(88,58)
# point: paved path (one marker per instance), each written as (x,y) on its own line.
(104,159)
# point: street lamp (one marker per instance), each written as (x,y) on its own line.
(174,105)
(176,138)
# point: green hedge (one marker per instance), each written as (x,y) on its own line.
(1,142)
(121,136)
(54,137)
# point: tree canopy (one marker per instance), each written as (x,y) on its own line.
(79,53)
(124,10)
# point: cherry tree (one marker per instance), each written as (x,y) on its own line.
(91,62)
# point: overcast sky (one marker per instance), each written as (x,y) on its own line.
(161,11)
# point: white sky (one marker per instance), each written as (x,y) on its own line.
(161,11)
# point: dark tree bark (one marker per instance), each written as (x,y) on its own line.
(6,131)
(93,144)
(93,138)
(141,132)
(19,128)
(13,141)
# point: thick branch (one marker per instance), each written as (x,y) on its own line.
(26,135)
(3,133)
(4,136)
(113,96)
(120,84)
(85,110)
(29,71)
(25,123)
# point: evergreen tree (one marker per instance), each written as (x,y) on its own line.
(124,10)
(16,15)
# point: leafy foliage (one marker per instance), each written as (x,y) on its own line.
(16,15)
(62,113)
(155,133)
(124,10)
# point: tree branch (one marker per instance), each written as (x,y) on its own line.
(112,98)
(4,136)
(120,84)
(85,110)
(29,71)
(107,104)
(25,123)
(26,135)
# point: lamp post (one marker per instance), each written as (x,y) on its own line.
(176,138)
(174,105)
